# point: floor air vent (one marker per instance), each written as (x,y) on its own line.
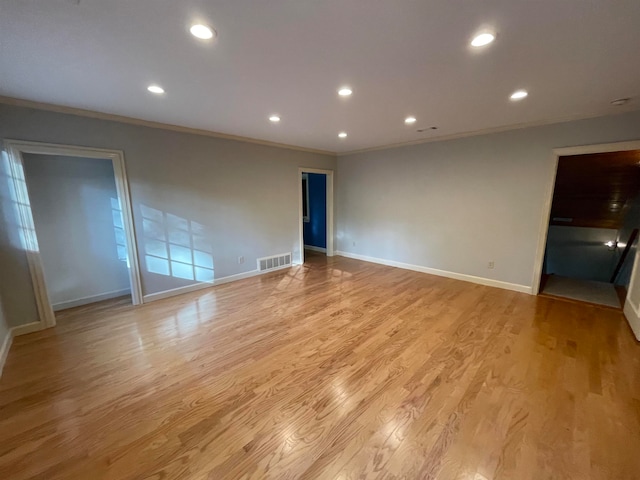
(274,262)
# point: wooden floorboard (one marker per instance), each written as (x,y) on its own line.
(335,369)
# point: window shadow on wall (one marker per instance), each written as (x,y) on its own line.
(118,229)
(175,246)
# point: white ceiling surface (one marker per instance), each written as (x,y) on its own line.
(289,57)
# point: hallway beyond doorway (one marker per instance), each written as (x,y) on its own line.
(600,293)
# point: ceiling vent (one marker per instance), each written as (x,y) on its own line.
(274,262)
(620,101)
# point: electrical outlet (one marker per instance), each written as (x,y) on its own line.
(491,265)
(241,260)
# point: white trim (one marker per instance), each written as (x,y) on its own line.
(24,103)
(632,315)
(488,131)
(4,349)
(90,299)
(27,328)
(15,149)
(305,218)
(313,248)
(631,311)
(50,107)
(330,213)
(441,273)
(546,207)
(152,297)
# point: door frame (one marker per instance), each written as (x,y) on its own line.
(330,203)
(546,208)
(15,150)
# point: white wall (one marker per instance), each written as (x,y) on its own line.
(456,205)
(580,252)
(79,227)
(237,198)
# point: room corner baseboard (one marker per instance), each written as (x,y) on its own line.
(152,297)
(91,299)
(440,273)
(4,348)
(27,328)
(313,248)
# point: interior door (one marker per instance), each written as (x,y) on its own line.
(632,302)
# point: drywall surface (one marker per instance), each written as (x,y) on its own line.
(580,252)
(315,230)
(79,226)
(457,205)
(223,197)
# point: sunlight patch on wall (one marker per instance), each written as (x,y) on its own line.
(15,205)
(175,246)
(118,228)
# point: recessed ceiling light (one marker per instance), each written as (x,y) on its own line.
(519,95)
(202,31)
(345,92)
(274,118)
(410,120)
(158,90)
(483,39)
(342,134)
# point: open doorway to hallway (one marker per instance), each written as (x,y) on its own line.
(593,228)
(315,213)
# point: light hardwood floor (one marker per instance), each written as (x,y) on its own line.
(337,369)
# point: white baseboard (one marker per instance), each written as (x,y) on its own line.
(27,328)
(4,348)
(91,299)
(633,317)
(441,273)
(313,248)
(152,297)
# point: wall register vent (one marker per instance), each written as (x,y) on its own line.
(274,262)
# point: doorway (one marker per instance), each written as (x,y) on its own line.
(76,225)
(614,205)
(593,227)
(316,213)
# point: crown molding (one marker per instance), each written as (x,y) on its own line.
(488,131)
(19,102)
(208,133)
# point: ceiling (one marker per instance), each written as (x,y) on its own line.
(401,57)
(595,190)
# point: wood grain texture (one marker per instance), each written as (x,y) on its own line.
(595,190)
(335,369)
